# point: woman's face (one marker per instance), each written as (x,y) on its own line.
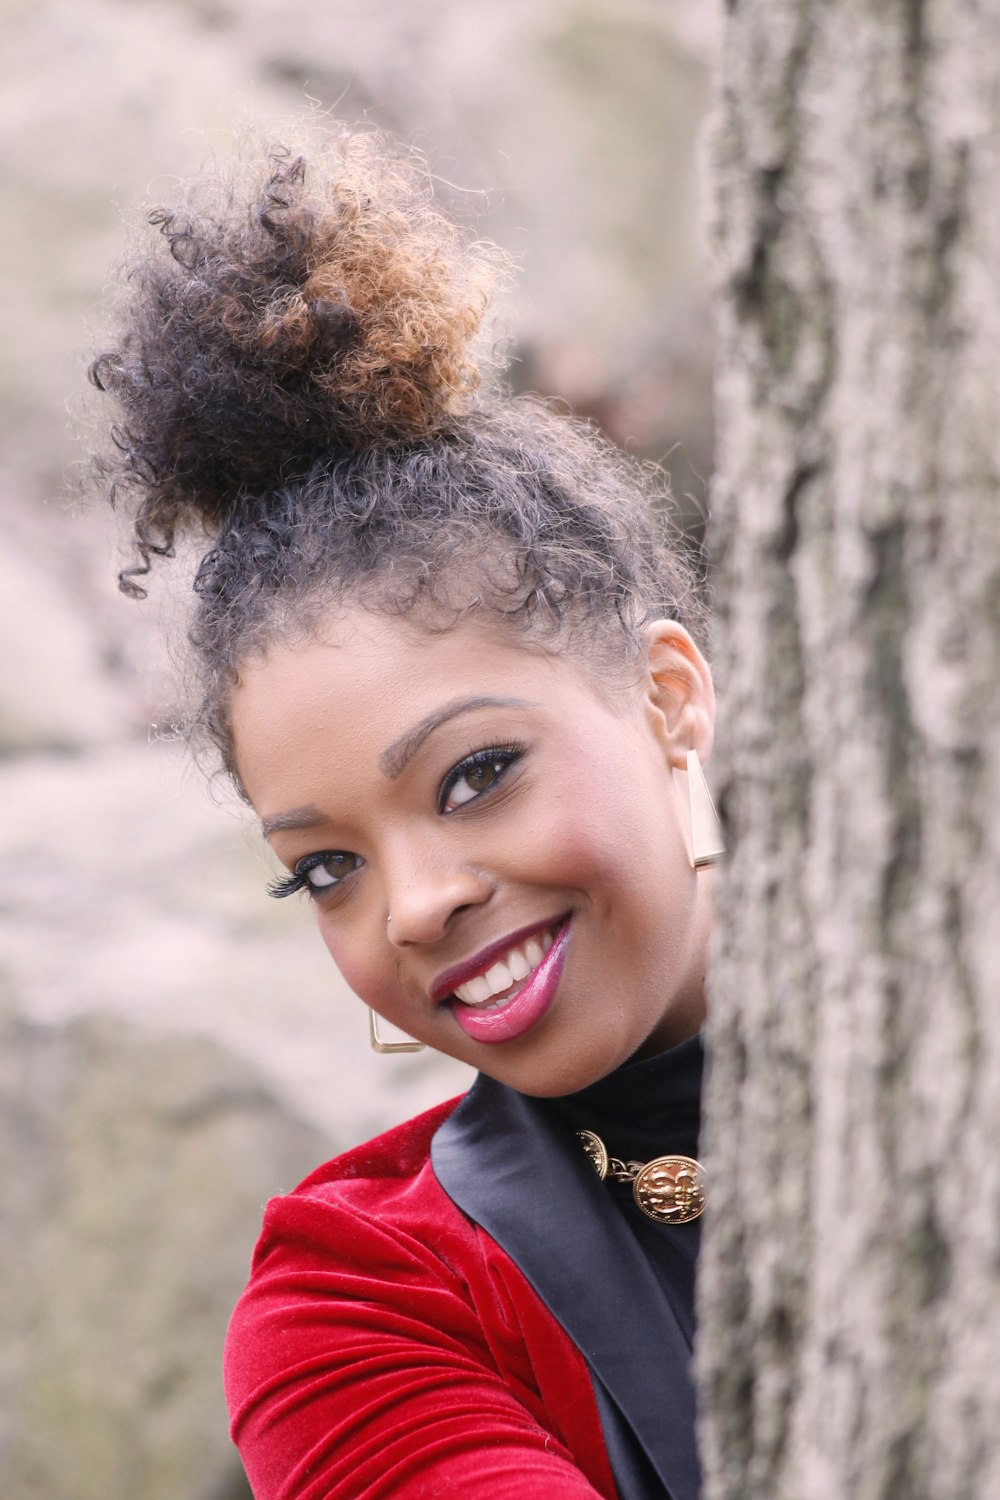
(496,847)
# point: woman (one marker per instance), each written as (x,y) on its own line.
(446,659)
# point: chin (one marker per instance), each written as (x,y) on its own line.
(545,1078)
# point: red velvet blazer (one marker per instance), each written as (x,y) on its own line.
(423,1319)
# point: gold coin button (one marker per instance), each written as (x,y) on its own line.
(670,1189)
(596,1151)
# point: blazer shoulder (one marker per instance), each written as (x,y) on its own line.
(398,1153)
(381,1199)
(384,1340)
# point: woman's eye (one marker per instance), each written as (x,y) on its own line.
(316,873)
(329,869)
(479,774)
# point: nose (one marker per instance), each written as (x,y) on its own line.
(426,892)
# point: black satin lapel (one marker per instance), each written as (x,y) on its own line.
(502,1161)
(635,1477)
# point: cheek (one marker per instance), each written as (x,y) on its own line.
(618,840)
(359,958)
(619,811)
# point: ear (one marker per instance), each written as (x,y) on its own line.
(680,693)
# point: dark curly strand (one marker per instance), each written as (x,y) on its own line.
(297,381)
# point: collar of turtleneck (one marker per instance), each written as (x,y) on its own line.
(643,1109)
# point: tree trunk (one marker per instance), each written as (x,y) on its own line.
(850,1284)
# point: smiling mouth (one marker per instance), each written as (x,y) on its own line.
(511,1007)
(503,979)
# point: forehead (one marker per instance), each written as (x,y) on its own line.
(348,690)
(386,661)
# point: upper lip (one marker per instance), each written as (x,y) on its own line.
(449,979)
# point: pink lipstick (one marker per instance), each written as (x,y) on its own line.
(524,1007)
(448,981)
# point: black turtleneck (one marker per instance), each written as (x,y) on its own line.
(646,1109)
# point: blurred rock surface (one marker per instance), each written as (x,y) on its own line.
(134,1172)
(55,692)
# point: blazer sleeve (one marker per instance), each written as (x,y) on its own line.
(378,1351)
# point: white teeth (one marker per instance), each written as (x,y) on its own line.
(499,978)
(518,965)
(476,991)
(511,969)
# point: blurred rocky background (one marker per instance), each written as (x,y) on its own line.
(175,1047)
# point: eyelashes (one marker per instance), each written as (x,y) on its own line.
(285,885)
(335,863)
(493,762)
(482,772)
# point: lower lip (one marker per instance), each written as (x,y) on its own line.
(526,1009)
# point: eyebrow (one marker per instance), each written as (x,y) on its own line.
(397,757)
(394,760)
(307,816)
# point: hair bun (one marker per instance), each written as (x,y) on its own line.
(336,326)
(330,306)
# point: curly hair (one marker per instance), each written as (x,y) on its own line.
(300,378)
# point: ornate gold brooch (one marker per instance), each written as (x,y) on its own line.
(669,1189)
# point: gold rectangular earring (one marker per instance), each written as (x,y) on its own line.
(707,847)
(378,1045)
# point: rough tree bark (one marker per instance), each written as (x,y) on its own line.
(850,1345)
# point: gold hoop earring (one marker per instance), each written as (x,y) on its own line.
(707,847)
(378,1045)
